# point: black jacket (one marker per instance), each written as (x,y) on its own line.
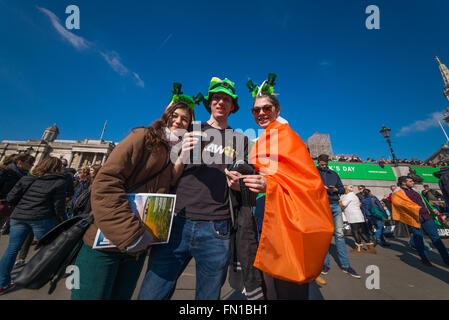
(443,175)
(38,198)
(331,178)
(8,178)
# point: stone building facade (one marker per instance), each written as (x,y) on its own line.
(78,153)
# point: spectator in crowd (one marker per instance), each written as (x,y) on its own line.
(334,187)
(39,199)
(351,207)
(388,199)
(93,172)
(12,169)
(69,177)
(443,182)
(360,193)
(142,161)
(368,201)
(431,194)
(82,204)
(83,183)
(408,207)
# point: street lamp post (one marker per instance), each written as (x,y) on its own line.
(386,134)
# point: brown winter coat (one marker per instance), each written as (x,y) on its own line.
(129,164)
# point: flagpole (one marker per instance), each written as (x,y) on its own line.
(104,128)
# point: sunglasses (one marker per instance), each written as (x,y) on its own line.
(265,109)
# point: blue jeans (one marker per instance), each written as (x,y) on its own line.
(208,242)
(379,225)
(430,228)
(17,236)
(339,237)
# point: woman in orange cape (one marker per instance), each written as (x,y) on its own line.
(297,224)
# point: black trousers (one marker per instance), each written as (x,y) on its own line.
(277,289)
(359,232)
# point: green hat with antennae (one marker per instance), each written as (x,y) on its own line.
(265,88)
(178,96)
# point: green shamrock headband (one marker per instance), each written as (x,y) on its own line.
(265,88)
(178,96)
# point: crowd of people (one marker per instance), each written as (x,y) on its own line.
(412,162)
(366,214)
(266,221)
(41,197)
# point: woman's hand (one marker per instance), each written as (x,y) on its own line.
(256,183)
(232,178)
(188,143)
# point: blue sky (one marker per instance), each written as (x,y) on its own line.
(334,75)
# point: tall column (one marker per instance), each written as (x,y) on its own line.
(104,159)
(95,159)
(80,163)
(70,159)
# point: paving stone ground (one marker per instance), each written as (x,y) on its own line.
(401,276)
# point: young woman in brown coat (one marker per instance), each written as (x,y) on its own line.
(113,273)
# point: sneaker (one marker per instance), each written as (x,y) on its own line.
(426,262)
(325,269)
(7,288)
(351,272)
(19,263)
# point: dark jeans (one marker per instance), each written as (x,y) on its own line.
(107,275)
(358,231)
(430,228)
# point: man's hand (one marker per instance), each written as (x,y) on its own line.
(332,189)
(256,183)
(232,178)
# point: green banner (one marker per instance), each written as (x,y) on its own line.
(362,171)
(426,173)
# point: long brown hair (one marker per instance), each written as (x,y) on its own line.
(155,138)
(48,165)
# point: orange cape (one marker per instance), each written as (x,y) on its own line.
(404,209)
(298,224)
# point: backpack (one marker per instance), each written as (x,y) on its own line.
(376,212)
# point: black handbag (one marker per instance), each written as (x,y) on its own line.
(58,249)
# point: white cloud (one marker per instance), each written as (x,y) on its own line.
(112,58)
(421,125)
(139,81)
(78,42)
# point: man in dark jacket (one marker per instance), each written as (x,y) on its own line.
(334,188)
(443,176)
